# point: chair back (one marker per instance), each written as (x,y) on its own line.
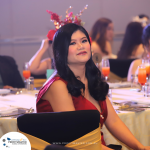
(39,82)
(62,128)
(119,68)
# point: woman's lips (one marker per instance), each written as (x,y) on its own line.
(82,53)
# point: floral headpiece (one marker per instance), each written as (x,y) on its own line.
(70,18)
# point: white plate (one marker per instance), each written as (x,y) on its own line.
(4,91)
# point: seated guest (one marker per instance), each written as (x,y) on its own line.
(132,46)
(9,74)
(38,66)
(146,41)
(102,35)
(77,84)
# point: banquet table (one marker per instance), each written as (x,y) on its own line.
(137,122)
(10,102)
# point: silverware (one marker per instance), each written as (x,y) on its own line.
(129,108)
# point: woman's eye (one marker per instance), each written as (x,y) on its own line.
(84,41)
(72,43)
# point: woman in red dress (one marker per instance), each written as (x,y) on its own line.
(77,84)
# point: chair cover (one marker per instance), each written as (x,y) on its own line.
(74,129)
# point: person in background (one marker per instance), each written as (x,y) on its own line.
(9,74)
(77,84)
(146,41)
(132,46)
(102,35)
(37,65)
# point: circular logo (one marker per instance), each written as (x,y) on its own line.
(14,141)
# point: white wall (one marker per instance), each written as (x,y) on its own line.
(24,23)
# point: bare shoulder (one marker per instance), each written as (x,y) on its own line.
(59,97)
(95,47)
(57,87)
(139,51)
(136,63)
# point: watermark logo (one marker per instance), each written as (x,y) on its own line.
(14,141)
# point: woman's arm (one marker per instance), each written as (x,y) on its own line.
(133,67)
(59,97)
(120,131)
(37,66)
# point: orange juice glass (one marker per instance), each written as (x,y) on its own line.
(142,76)
(105,68)
(147,66)
(105,71)
(26,74)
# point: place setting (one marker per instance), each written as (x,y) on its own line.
(131,106)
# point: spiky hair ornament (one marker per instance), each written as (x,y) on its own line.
(70,18)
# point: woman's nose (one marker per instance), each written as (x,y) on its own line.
(80,46)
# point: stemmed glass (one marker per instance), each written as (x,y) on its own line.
(147,67)
(26,72)
(105,68)
(142,76)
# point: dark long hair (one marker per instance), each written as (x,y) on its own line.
(98,33)
(97,88)
(146,35)
(132,38)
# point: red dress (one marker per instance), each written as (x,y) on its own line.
(80,103)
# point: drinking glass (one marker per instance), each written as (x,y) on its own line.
(26,72)
(147,67)
(142,76)
(105,68)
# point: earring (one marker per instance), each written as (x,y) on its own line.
(92,51)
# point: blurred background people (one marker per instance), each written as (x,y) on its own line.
(146,41)
(9,74)
(102,35)
(142,18)
(132,46)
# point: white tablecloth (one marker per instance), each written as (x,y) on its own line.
(138,123)
(26,100)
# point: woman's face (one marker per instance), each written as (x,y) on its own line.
(110,32)
(79,51)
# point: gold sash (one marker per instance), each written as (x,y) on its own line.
(113,77)
(90,141)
